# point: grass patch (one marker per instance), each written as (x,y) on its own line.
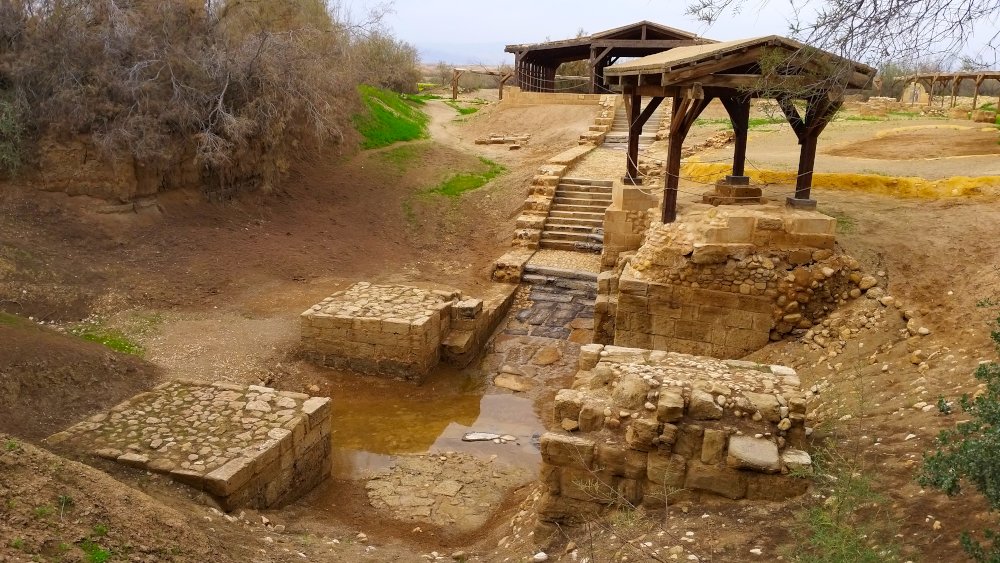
(8,319)
(94,553)
(845,223)
(756,122)
(400,157)
(11,446)
(117,341)
(458,184)
(861,118)
(388,118)
(421,99)
(989,106)
(462,110)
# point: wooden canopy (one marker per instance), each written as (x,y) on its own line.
(930,79)
(734,72)
(535,64)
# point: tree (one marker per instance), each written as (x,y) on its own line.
(876,31)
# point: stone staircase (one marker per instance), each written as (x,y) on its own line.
(562,302)
(576,218)
(617,138)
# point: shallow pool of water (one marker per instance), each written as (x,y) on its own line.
(375,419)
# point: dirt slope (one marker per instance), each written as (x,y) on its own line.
(49,380)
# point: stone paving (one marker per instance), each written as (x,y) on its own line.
(458,492)
(248,446)
(567,260)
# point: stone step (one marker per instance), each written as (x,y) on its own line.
(587,182)
(589,202)
(570,235)
(558,214)
(559,222)
(580,288)
(597,209)
(551,272)
(584,188)
(594,196)
(568,245)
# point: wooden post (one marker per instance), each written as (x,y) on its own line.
(975,94)
(456,74)
(739,114)
(930,94)
(819,111)
(955,83)
(637,118)
(684,112)
(503,80)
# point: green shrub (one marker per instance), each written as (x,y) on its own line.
(970,452)
(94,332)
(388,118)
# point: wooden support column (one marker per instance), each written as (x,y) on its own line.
(503,80)
(819,111)
(930,93)
(975,94)
(550,79)
(597,63)
(637,118)
(684,112)
(739,115)
(955,83)
(456,74)
(518,70)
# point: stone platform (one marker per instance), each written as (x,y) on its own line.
(247,446)
(397,330)
(652,427)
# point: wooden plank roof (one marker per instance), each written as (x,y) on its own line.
(730,64)
(654,31)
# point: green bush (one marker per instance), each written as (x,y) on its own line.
(388,118)
(460,183)
(970,452)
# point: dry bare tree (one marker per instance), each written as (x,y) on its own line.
(876,31)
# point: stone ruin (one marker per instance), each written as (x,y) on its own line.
(725,281)
(398,331)
(651,428)
(248,447)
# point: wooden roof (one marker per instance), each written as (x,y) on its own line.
(646,31)
(737,64)
(946,76)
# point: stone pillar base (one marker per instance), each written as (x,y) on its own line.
(734,190)
(796,203)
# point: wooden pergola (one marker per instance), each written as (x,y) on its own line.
(535,64)
(502,78)
(954,79)
(735,72)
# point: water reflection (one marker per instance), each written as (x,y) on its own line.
(374,419)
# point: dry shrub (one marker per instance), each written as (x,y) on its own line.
(216,83)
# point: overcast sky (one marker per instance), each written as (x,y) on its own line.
(475,31)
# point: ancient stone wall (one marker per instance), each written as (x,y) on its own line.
(626,221)
(650,428)
(249,447)
(605,120)
(397,330)
(724,282)
(515,97)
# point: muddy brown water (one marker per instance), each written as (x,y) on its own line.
(374,420)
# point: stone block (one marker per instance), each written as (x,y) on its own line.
(774,488)
(757,454)
(592,416)
(703,406)
(590,486)
(713,446)
(664,468)
(688,442)
(724,482)
(670,406)
(630,392)
(641,433)
(567,451)
(568,403)
(565,510)
(766,404)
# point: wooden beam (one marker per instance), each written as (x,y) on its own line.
(456,74)
(975,95)
(651,44)
(684,113)
(739,114)
(637,120)
(819,111)
(503,80)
